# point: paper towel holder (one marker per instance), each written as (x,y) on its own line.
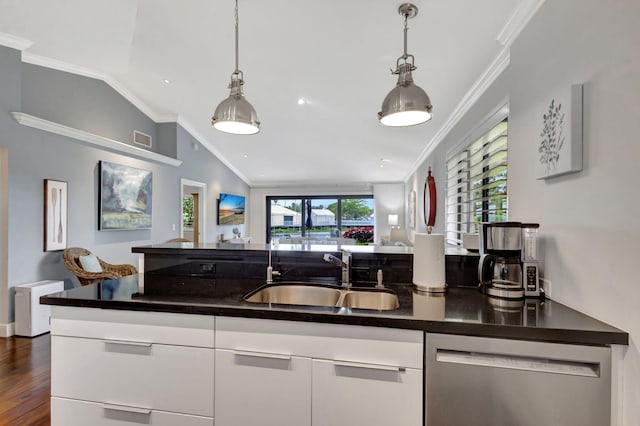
(430,289)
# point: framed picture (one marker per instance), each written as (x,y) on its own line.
(55,215)
(125,197)
(560,138)
(412,210)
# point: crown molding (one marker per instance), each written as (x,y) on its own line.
(100,141)
(497,66)
(15,42)
(46,62)
(212,149)
(517,21)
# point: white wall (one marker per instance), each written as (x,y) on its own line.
(389,199)
(590,221)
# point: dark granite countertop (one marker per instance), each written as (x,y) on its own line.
(462,311)
(305,247)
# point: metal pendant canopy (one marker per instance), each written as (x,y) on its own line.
(235,114)
(406,104)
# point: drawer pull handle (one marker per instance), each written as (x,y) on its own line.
(368,366)
(126,408)
(128,343)
(262,355)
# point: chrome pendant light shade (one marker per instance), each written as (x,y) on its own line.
(235,114)
(406,104)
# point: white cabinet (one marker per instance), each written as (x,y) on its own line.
(267,389)
(122,367)
(319,374)
(347,393)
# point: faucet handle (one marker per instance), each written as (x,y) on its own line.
(379,277)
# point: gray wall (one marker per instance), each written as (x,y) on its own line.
(35,155)
(84,103)
(589,220)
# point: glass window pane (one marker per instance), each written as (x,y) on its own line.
(357,219)
(286,218)
(323,221)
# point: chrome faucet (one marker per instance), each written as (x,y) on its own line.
(345,264)
(270,272)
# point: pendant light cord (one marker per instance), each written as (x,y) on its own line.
(406,28)
(237,71)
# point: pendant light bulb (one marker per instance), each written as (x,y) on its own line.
(406,104)
(235,114)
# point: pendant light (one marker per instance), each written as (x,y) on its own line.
(235,114)
(407,104)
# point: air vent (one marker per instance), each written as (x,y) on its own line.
(141,139)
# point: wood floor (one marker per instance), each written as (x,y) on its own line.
(25,380)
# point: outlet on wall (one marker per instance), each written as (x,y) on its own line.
(173,227)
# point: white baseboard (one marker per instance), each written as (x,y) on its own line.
(7,330)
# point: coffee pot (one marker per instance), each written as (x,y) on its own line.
(508,267)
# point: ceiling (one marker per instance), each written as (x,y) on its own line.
(335,55)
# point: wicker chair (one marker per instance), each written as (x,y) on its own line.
(109,271)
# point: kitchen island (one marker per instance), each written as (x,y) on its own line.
(177,355)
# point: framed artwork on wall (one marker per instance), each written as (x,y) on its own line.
(412,210)
(125,197)
(55,215)
(560,138)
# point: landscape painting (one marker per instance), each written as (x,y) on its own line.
(230,209)
(125,197)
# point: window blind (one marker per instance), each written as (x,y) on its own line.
(477,184)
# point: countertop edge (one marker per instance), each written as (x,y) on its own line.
(549,335)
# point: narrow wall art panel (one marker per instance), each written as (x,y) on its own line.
(55,215)
(125,197)
(560,139)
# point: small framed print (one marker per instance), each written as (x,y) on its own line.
(55,215)
(560,138)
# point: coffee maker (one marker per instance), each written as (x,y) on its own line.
(508,266)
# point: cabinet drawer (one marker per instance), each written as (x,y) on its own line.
(67,412)
(154,327)
(375,345)
(133,373)
(262,389)
(364,394)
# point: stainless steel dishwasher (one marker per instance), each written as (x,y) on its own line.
(484,381)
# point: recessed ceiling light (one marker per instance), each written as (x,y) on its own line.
(245,155)
(385,160)
(302,101)
(166,81)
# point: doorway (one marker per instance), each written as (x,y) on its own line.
(192,210)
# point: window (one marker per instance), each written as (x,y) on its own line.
(477,184)
(319,217)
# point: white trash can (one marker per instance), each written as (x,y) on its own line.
(32,318)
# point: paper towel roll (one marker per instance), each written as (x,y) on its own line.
(429,262)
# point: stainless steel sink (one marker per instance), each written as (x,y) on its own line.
(378,300)
(296,294)
(310,294)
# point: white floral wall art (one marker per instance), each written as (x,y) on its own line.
(560,139)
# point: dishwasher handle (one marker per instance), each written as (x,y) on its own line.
(519,362)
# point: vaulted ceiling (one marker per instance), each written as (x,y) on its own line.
(315,71)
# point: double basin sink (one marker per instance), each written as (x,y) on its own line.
(310,294)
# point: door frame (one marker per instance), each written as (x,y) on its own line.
(202,191)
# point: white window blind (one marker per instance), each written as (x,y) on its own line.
(477,184)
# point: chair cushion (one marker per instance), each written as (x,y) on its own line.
(90,263)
